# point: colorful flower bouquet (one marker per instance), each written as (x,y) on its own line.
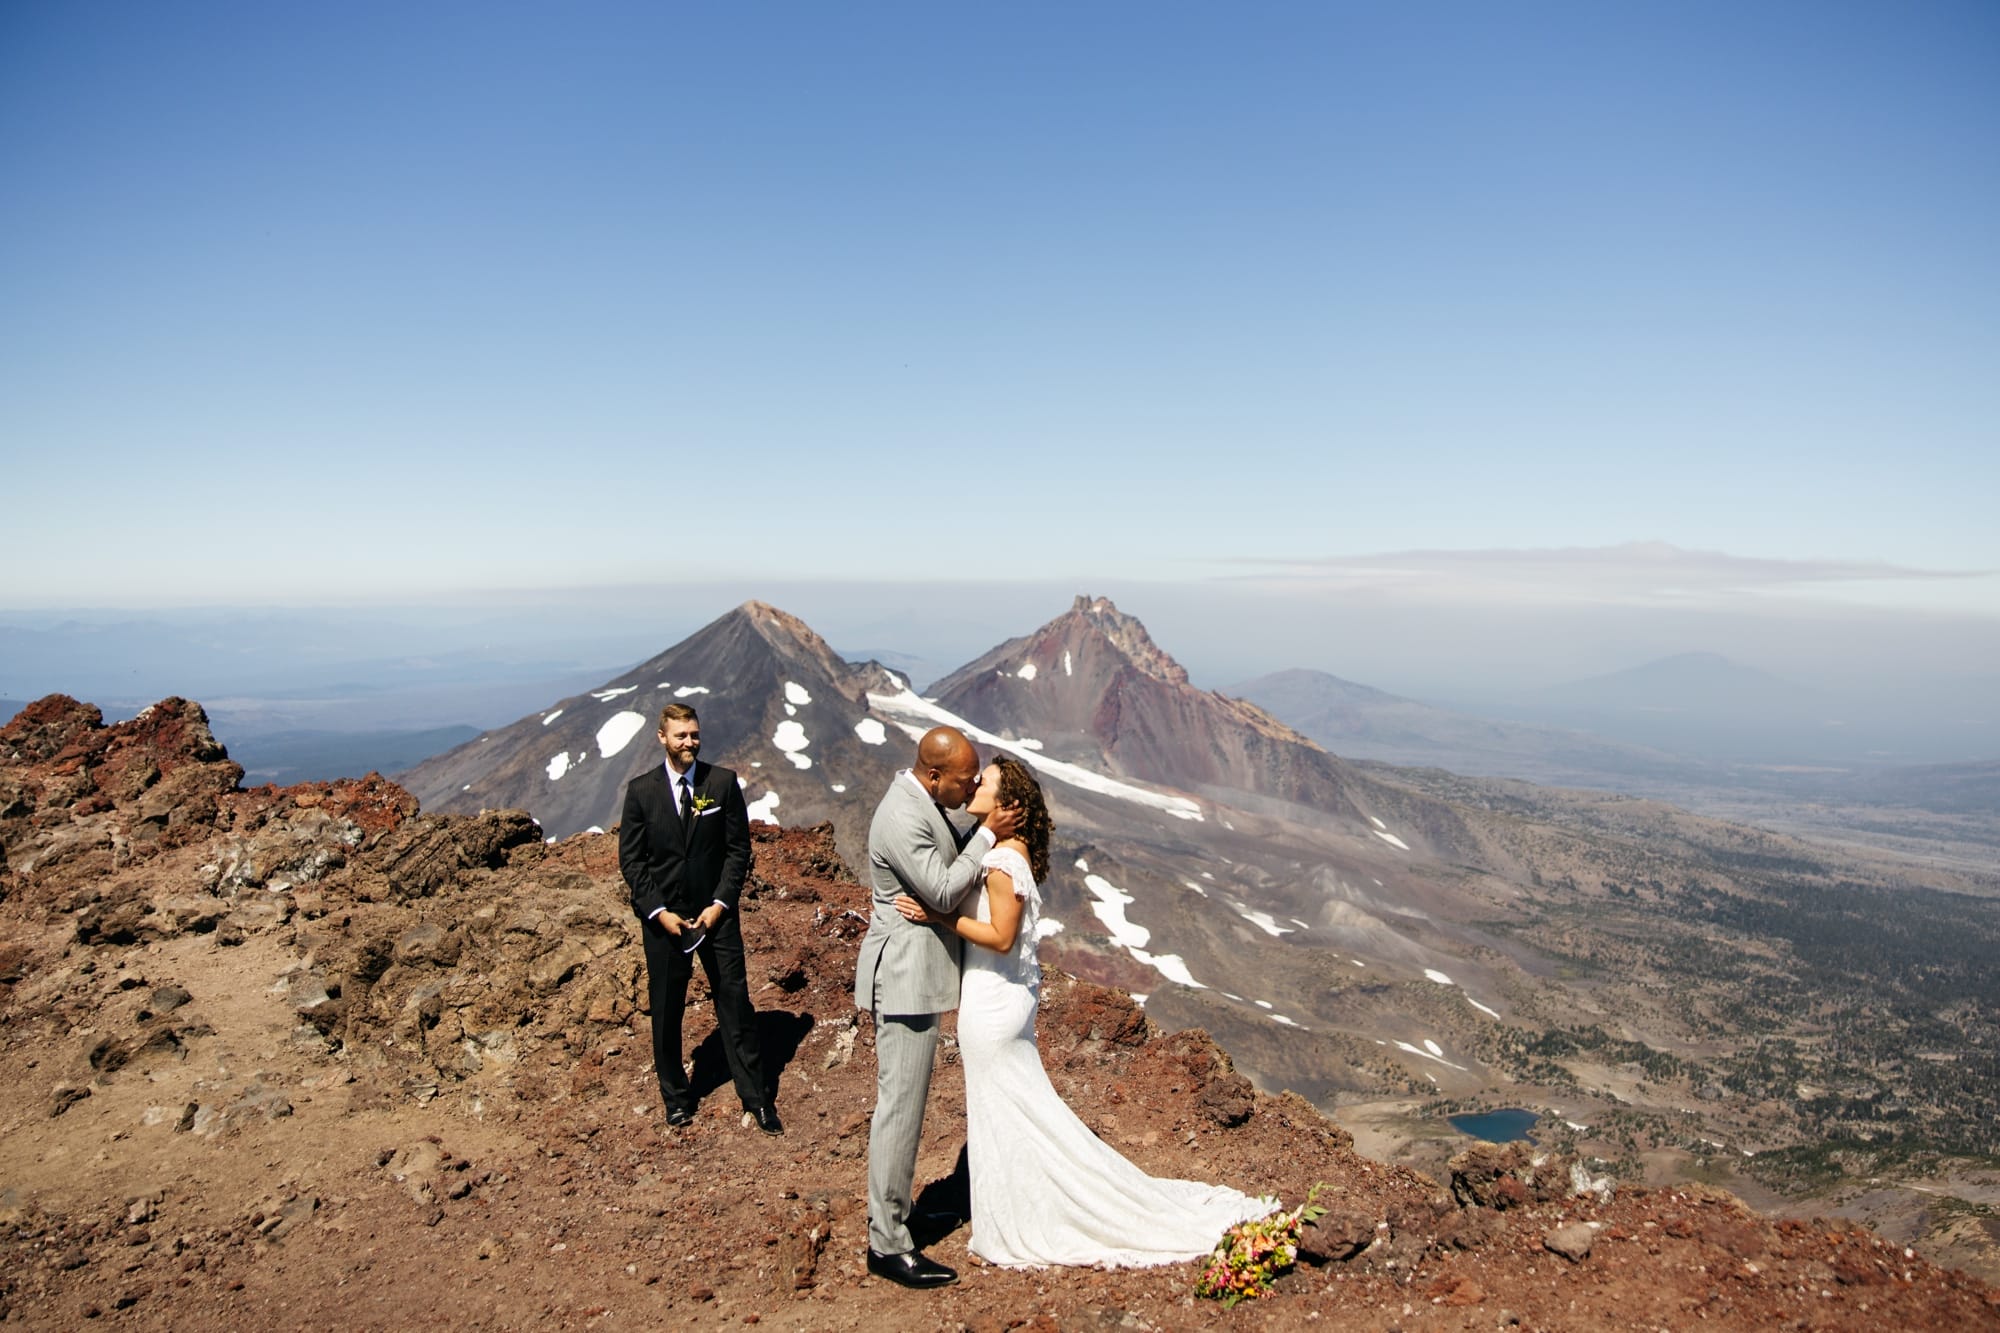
(1250,1254)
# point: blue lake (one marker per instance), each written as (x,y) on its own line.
(1496,1126)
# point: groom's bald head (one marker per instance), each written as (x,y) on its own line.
(947,766)
(940,745)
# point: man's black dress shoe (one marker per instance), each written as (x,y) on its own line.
(911,1270)
(678,1116)
(767,1120)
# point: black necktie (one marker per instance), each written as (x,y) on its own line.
(687,804)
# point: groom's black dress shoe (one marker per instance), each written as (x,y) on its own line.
(911,1270)
(680,1115)
(767,1120)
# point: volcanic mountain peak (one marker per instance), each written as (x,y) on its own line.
(777,705)
(1093,643)
(1126,634)
(782,629)
(782,632)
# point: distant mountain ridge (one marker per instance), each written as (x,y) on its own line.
(305,755)
(1362,722)
(1706,683)
(1701,705)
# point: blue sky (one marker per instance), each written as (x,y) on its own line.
(330,303)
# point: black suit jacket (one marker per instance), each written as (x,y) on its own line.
(684,873)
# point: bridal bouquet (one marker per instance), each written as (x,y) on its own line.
(1250,1254)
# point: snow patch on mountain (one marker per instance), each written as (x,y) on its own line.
(1171,966)
(791,738)
(1418,1050)
(1110,908)
(618,732)
(917,715)
(1264,921)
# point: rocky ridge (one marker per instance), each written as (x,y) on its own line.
(287,1057)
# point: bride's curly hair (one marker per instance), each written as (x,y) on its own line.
(1018,787)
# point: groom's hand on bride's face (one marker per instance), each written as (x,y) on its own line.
(1004,820)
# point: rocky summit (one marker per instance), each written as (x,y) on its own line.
(307,1057)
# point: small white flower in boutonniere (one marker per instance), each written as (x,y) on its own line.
(702,803)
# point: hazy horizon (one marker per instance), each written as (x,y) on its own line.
(1477,646)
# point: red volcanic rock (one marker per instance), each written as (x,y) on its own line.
(78,799)
(1083,1012)
(45,728)
(372,804)
(1224,1095)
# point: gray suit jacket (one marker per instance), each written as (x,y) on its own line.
(907,968)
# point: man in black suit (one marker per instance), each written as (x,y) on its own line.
(684,849)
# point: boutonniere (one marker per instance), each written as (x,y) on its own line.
(702,803)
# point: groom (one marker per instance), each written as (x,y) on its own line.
(907,975)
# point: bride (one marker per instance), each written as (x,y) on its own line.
(1045,1190)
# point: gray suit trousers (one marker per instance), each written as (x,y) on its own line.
(905,1050)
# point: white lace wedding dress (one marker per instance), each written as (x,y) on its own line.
(1045,1190)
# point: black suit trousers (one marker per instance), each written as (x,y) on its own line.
(668,971)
